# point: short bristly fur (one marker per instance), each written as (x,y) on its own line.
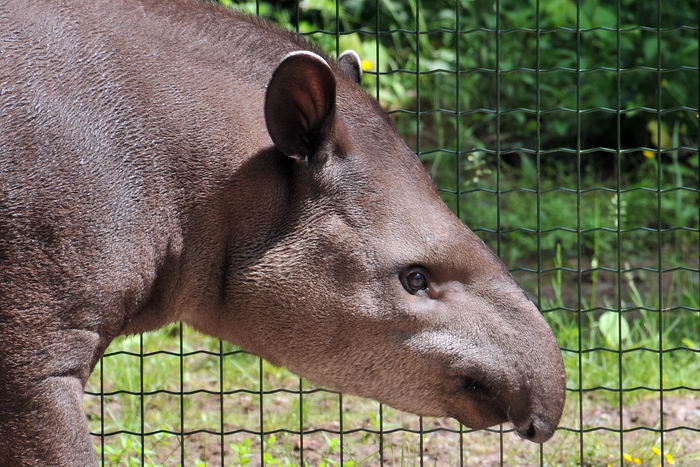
(171,160)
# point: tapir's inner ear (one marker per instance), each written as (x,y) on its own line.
(350,63)
(300,104)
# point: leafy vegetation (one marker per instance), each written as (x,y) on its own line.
(562,163)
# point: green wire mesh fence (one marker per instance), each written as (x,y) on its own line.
(565,133)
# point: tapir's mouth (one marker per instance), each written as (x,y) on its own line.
(480,402)
(531,428)
(475,387)
(494,406)
(487,396)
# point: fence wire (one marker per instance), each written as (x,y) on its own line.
(174,397)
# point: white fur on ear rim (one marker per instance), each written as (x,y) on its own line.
(350,62)
(307,53)
(354,56)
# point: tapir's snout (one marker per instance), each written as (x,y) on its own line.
(534,408)
(544,383)
(540,424)
(520,380)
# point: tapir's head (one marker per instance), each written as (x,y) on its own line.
(368,284)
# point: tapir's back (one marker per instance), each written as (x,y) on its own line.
(103,106)
(129,75)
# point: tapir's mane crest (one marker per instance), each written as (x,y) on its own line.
(276,40)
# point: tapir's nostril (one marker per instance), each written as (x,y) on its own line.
(535,430)
(531,431)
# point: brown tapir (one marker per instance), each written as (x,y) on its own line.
(172,160)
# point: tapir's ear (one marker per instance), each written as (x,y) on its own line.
(349,62)
(300,104)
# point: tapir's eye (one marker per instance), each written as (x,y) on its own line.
(414,280)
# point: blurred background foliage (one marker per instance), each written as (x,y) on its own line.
(507,103)
(565,133)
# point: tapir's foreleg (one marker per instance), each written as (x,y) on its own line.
(49,428)
(41,391)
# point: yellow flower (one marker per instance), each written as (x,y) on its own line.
(367,65)
(637,461)
(656,451)
(649,154)
(627,457)
(670,459)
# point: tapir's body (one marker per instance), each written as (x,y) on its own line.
(153,169)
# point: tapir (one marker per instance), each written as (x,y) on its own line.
(172,160)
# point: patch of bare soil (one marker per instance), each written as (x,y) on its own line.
(439,447)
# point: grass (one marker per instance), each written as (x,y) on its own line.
(591,340)
(320,410)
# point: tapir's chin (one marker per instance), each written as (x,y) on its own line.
(530,427)
(478,412)
(481,422)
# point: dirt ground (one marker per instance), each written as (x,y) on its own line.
(440,447)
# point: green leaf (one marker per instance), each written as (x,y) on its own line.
(689,343)
(650,48)
(608,325)
(561,12)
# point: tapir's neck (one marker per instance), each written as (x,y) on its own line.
(225,210)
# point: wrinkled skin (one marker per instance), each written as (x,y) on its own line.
(165,161)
